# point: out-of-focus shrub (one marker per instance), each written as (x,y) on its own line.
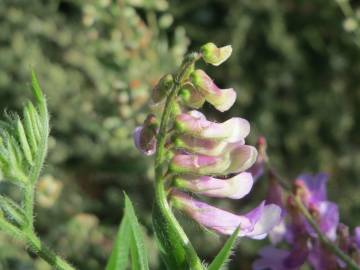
(97,62)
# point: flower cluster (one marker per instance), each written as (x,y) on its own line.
(208,158)
(299,234)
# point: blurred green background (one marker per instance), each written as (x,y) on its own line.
(295,66)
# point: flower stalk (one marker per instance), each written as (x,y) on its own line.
(164,219)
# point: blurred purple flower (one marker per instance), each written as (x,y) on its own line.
(299,234)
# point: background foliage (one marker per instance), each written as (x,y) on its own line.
(295,67)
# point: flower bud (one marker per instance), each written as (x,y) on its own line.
(214,55)
(191,97)
(235,187)
(255,224)
(194,123)
(145,136)
(221,99)
(161,89)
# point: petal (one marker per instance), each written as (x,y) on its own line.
(221,99)
(235,187)
(200,146)
(242,158)
(191,97)
(236,158)
(316,184)
(197,164)
(264,218)
(278,233)
(327,218)
(214,55)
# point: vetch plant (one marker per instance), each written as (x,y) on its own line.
(195,158)
(195,155)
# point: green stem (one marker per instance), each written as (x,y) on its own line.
(161,205)
(29,207)
(322,237)
(36,246)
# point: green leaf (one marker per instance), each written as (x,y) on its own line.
(129,238)
(120,253)
(138,252)
(36,88)
(222,257)
(13,211)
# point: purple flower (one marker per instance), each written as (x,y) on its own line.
(236,158)
(235,187)
(194,123)
(312,189)
(221,99)
(315,185)
(200,146)
(255,224)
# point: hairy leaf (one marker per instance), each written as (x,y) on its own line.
(120,253)
(222,257)
(138,251)
(129,238)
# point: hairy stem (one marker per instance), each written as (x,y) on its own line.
(161,204)
(35,246)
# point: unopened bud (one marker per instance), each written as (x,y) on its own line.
(214,55)
(161,89)
(145,136)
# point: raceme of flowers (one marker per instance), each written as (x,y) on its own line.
(205,157)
